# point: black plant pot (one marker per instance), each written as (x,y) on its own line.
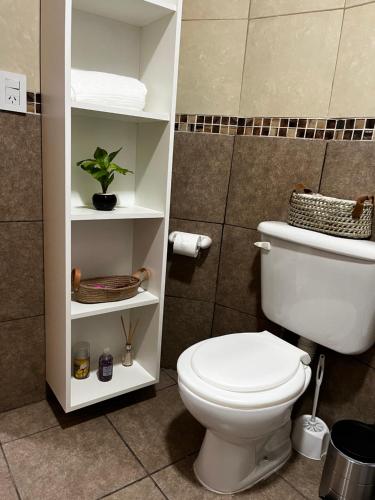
(104,201)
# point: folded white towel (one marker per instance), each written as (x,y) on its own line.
(108,89)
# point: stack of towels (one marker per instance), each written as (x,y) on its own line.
(106,89)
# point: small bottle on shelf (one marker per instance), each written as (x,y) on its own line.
(105,366)
(81,360)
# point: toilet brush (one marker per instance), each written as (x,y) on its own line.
(310,436)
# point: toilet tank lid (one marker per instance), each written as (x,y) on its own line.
(357,249)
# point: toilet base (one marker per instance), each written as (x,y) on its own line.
(226,468)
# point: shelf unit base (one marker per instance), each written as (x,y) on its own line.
(125,379)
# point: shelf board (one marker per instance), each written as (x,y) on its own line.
(135,212)
(135,12)
(127,115)
(125,379)
(143,298)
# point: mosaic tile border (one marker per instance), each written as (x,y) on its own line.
(34,101)
(339,129)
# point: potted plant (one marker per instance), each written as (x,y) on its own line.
(102,169)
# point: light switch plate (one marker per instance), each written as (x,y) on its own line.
(13,92)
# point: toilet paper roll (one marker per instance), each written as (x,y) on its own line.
(186,244)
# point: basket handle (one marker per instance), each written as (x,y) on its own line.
(358,209)
(301,187)
(142,274)
(76,278)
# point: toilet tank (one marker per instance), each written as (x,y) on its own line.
(318,286)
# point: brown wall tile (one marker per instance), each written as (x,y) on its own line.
(194,278)
(347,391)
(264,171)
(230,321)
(239,272)
(186,322)
(21,179)
(201,168)
(349,171)
(22,362)
(21,270)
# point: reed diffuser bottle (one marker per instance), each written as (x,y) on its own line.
(127,355)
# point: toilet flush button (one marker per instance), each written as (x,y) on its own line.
(264,245)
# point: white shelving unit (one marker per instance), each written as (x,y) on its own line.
(140,39)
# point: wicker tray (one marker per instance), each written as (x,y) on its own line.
(108,288)
(345,218)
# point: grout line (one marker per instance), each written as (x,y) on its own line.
(20,221)
(32,434)
(359,5)
(198,220)
(336,63)
(244,60)
(127,445)
(323,167)
(186,298)
(10,472)
(175,462)
(158,487)
(292,486)
(122,488)
(21,406)
(20,319)
(297,13)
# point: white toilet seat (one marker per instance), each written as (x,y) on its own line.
(244,370)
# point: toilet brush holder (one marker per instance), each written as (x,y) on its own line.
(310,438)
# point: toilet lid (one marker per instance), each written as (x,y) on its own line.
(246,362)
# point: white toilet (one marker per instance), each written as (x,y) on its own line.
(242,387)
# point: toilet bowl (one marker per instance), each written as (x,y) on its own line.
(242,387)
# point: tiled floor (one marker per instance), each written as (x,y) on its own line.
(140,447)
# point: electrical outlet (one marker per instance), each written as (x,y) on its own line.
(12,92)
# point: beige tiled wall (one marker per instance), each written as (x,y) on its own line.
(19,39)
(290,64)
(354,85)
(299,58)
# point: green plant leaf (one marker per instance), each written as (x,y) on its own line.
(120,170)
(113,155)
(100,154)
(79,163)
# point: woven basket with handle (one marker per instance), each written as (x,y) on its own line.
(345,218)
(108,288)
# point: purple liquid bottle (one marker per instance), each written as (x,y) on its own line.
(105,366)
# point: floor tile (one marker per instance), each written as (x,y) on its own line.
(353,86)
(85,461)
(21,270)
(27,420)
(215,9)
(179,483)
(264,172)
(194,278)
(22,362)
(211,63)
(285,73)
(304,475)
(20,146)
(201,169)
(185,323)
(164,381)
(142,490)
(160,430)
(7,489)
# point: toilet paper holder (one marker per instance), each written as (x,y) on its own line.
(204,241)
